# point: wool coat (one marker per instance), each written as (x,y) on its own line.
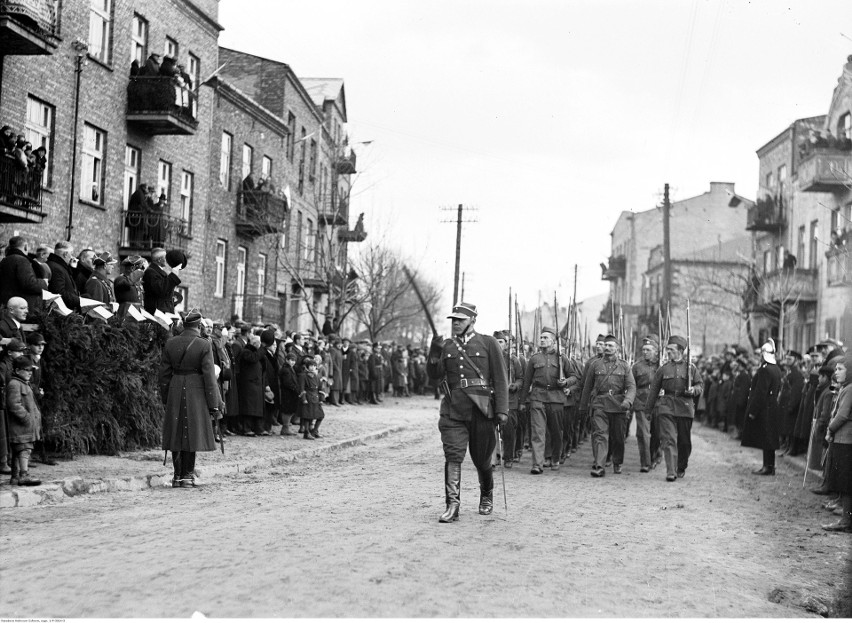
(762,430)
(251,381)
(24,417)
(189,390)
(62,281)
(17,278)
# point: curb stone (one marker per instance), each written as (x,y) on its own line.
(59,491)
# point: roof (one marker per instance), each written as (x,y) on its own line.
(323,90)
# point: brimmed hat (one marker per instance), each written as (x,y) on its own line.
(23,363)
(35,339)
(463,311)
(131,260)
(102,259)
(192,318)
(16,345)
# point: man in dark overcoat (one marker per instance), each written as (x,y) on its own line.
(476,398)
(190,394)
(17,277)
(793,387)
(377,374)
(159,282)
(251,385)
(336,372)
(61,278)
(762,424)
(350,372)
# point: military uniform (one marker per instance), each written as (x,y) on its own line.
(544,392)
(608,392)
(476,389)
(512,432)
(643,374)
(570,419)
(675,410)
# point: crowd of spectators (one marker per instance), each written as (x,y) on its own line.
(160,85)
(22,170)
(812,413)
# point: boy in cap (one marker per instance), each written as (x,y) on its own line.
(14,349)
(311,412)
(476,398)
(24,420)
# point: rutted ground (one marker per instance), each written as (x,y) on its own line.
(354,533)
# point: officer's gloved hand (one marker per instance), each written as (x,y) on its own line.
(435,347)
(502,418)
(625,404)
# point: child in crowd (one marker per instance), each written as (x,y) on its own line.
(24,420)
(311,413)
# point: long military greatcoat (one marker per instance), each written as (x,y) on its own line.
(188,388)
(762,431)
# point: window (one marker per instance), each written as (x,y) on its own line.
(812,247)
(221,255)
(800,257)
(310,236)
(171,48)
(239,294)
(194,69)
(132,158)
(225,161)
(767,262)
(186,201)
(100,30)
(302,153)
(844,127)
(92,180)
(261,273)
(39,132)
(139,40)
(831,327)
(313,166)
(291,136)
(835,220)
(782,176)
(770,180)
(248,152)
(164,179)
(266,168)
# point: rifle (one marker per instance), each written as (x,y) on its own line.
(509,338)
(688,348)
(558,346)
(422,301)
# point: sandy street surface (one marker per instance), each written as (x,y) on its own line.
(354,533)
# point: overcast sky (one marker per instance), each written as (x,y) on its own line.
(547,117)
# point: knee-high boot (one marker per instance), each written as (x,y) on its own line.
(452,488)
(187,478)
(486,491)
(177,467)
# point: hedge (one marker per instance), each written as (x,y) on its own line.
(100,385)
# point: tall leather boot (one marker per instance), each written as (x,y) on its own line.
(452,488)
(486,491)
(177,468)
(187,477)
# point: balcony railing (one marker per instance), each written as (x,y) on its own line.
(158,105)
(766,215)
(331,216)
(258,309)
(145,230)
(259,213)
(788,285)
(826,170)
(345,165)
(28,27)
(617,268)
(20,193)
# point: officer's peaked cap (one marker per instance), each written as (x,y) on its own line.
(463,311)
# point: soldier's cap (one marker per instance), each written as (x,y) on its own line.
(650,339)
(375,344)
(601,338)
(501,335)
(550,330)
(192,318)
(130,260)
(677,341)
(218,324)
(794,354)
(346,339)
(742,361)
(23,363)
(34,339)
(463,311)
(16,345)
(611,338)
(102,259)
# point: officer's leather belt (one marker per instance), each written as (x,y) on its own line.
(675,394)
(648,386)
(185,372)
(547,387)
(463,383)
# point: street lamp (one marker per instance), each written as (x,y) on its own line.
(80,47)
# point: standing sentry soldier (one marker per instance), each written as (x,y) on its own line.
(608,392)
(542,387)
(476,398)
(643,372)
(672,392)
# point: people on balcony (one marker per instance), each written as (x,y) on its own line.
(160,87)
(152,65)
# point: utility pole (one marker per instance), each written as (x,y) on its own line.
(459,220)
(462,279)
(667,251)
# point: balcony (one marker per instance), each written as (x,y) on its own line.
(826,170)
(20,193)
(329,216)
(259,213)
(617,268)
(157,105)
(788,285)
(345,165)
(766,215)
(351,235)
(28,27)
(144,230)
(839,265)
(258,309)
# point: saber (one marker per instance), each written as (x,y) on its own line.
(421,299)
(502,468)
(810,448)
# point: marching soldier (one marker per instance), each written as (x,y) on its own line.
(643,372)
(476,398)
(675,385)
(585,419)
(570,423)
(608,392)
(512,429)
(543,387)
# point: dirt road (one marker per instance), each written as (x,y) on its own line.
(355,533)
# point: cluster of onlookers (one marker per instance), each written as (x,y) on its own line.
(175,88)
(24,168)
(812,412)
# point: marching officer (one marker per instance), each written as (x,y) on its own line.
(675,385)
(512,429)
(543,387)
(643,372)
(608,391)
(476,398)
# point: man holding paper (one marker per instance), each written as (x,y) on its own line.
(159,283)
